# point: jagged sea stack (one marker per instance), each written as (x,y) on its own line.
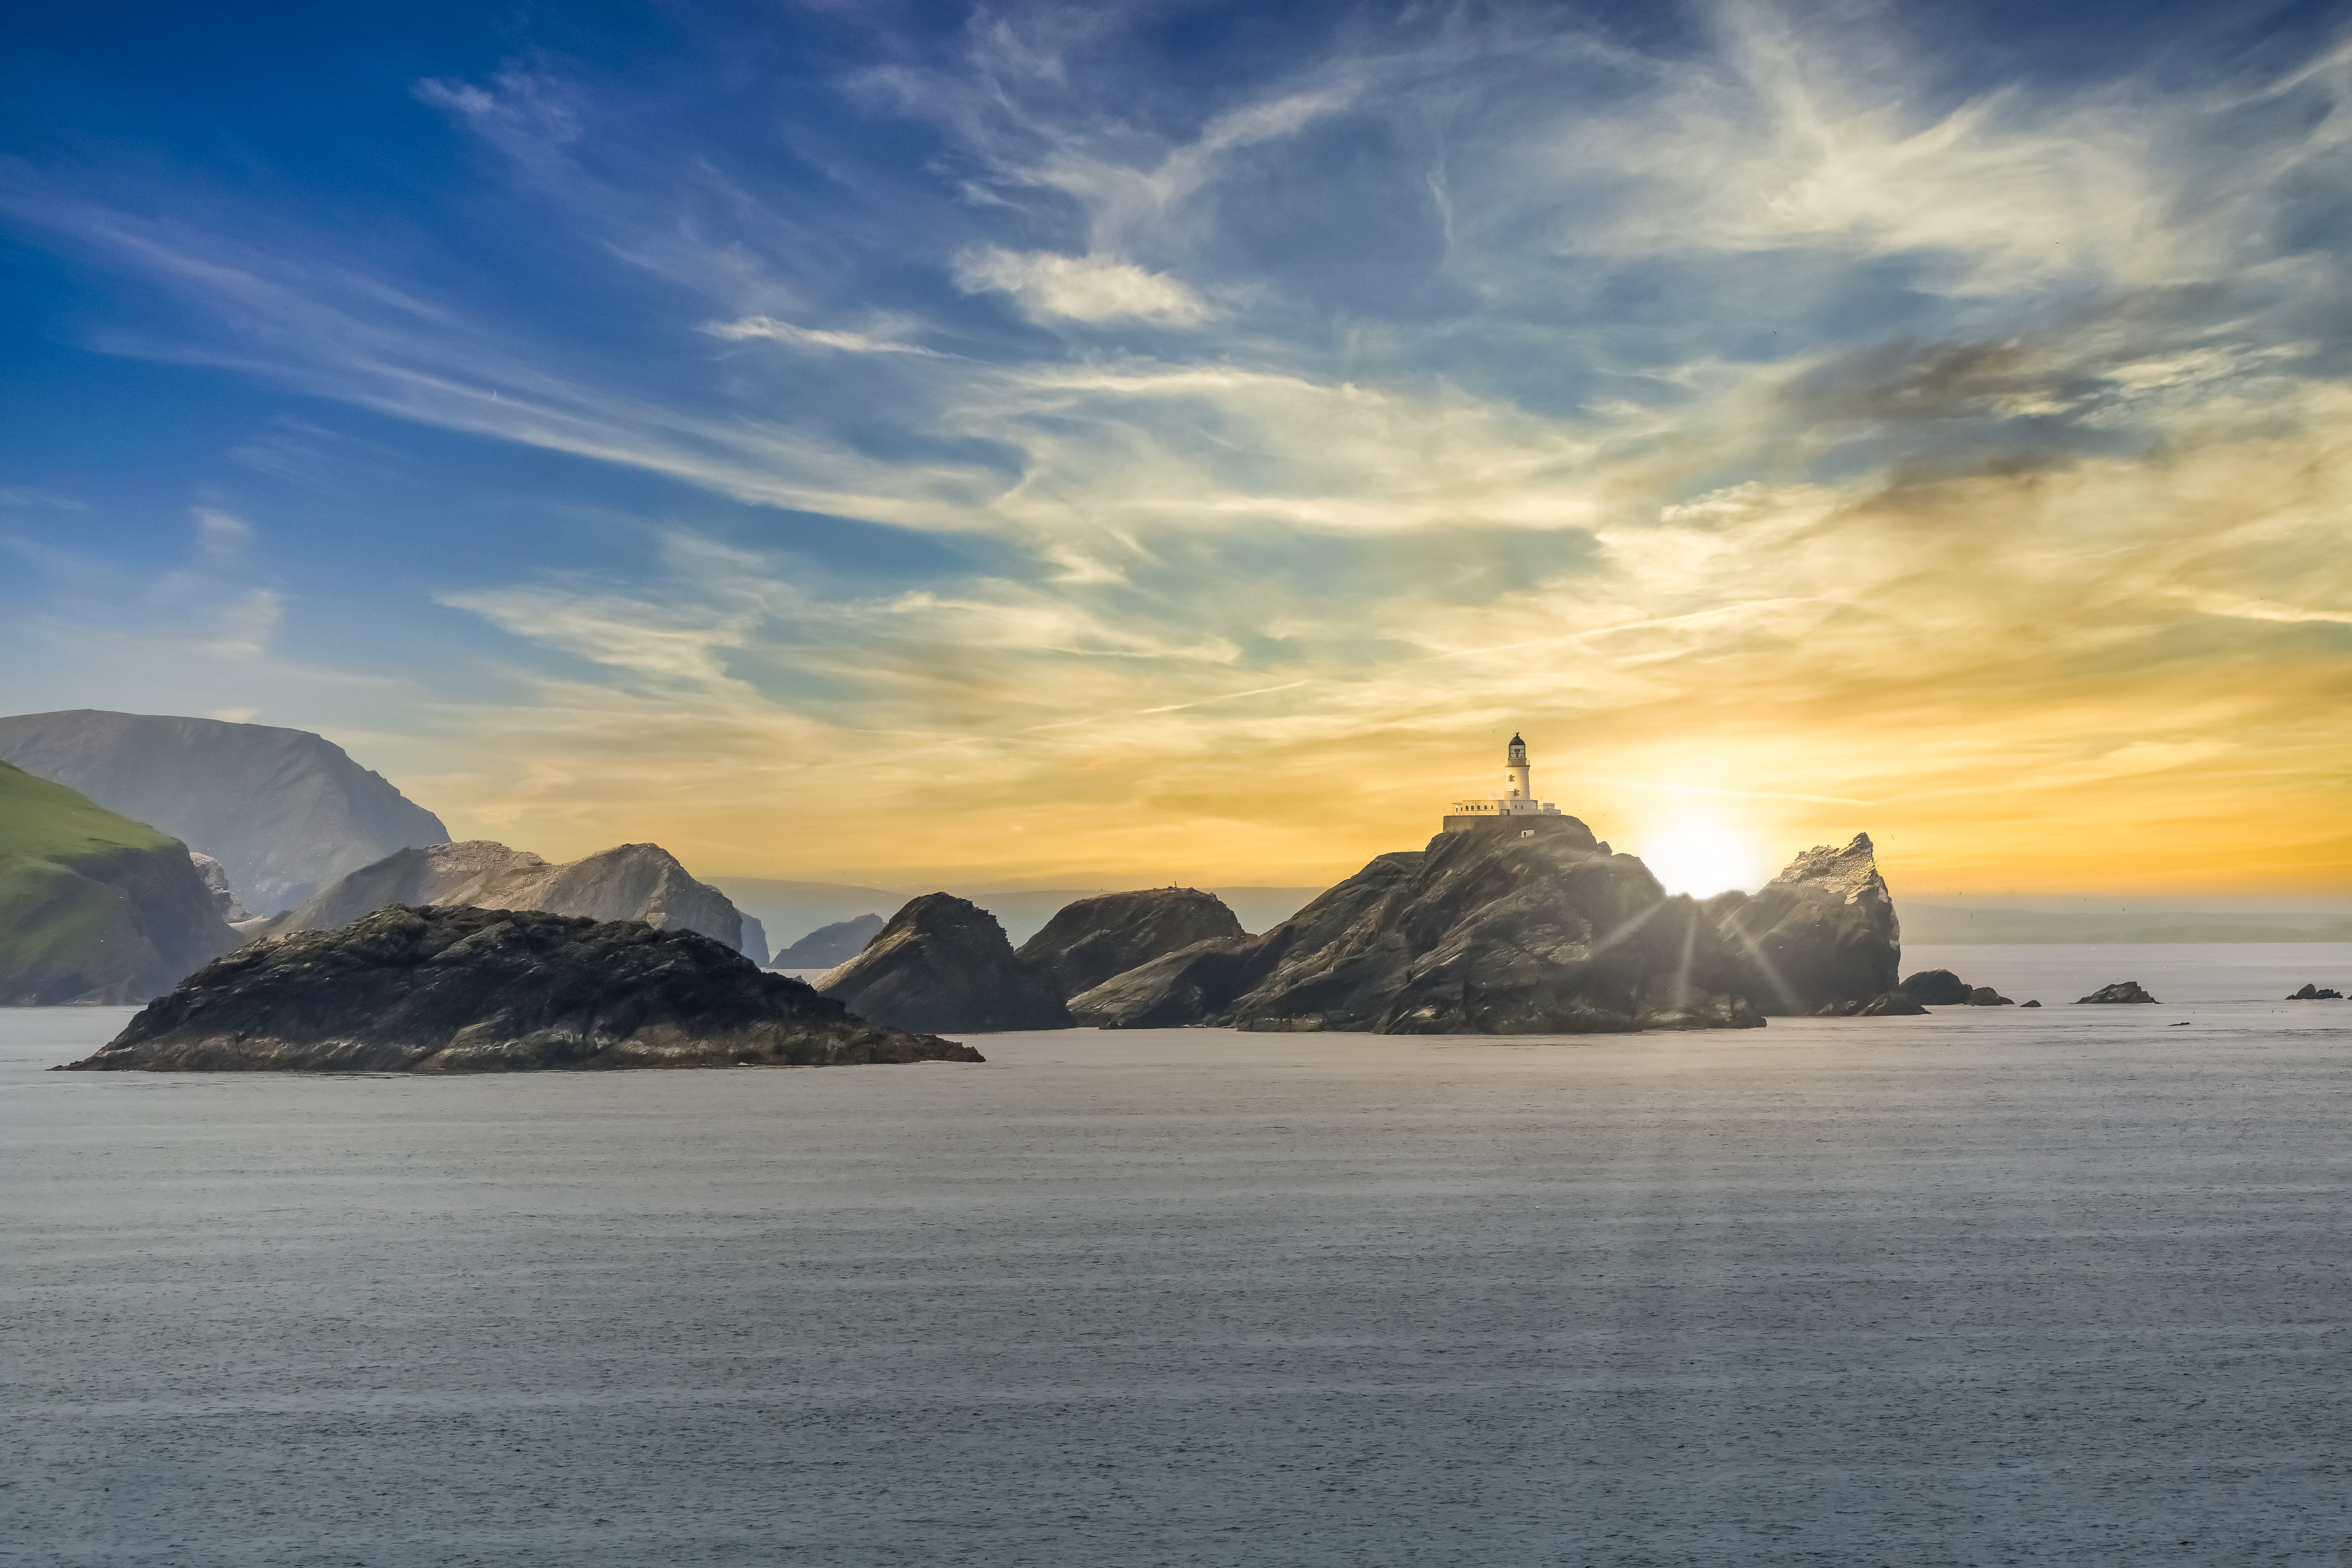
(452,988)
(943,962)
(1822,935)
(1090,940)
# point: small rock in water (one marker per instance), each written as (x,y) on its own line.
(1986,997)
(2314,994)
(1936,988)
(2033,1004)
(2121,991)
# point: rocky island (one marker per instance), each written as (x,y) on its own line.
(1491,930)
(944,962)
(447,989)
(1090,940)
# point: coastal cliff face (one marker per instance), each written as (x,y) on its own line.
(943,962)
(1090,940)
(1822,935)
(459,989)
(629,882)
(284,811)
(94,908)
(1479,933)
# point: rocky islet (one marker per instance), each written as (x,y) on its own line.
(944,962)
(457,989)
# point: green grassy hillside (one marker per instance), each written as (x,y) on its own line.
(93,907)
(43,819)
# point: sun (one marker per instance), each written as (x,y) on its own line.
(1700,858)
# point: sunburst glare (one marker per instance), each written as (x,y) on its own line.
(1702,858)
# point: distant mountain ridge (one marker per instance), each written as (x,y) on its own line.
(284,811)
(627,882)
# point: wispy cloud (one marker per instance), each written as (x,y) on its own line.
(768,327)
(1783,421)
(1079,287)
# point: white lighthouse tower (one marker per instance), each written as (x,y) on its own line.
(1516,804)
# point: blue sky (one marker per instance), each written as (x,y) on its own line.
(1026,441)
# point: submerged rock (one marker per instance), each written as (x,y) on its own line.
(1090,940)
(943,962)
(828,945)
(455,988)
(1479,933)
(1824,930)
(2313,994)
(2121,991)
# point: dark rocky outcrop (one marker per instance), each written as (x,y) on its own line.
(1936,988)
(1478,933)
(2315,993)
(828,945)
(1091,940)
(1823,931)
(1942,988)
(628,882)
(94,908)
(943,962)
(459,989)
(286,811)
(2121,991)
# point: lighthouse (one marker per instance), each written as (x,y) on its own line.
(1517,806)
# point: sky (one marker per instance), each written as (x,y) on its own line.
(1102,444)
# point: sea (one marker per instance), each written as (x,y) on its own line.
(2066,1285)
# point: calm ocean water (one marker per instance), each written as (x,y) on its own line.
(2065,1285)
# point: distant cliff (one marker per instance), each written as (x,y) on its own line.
(94,906)
(284,812)
(628,882)
(828,945)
